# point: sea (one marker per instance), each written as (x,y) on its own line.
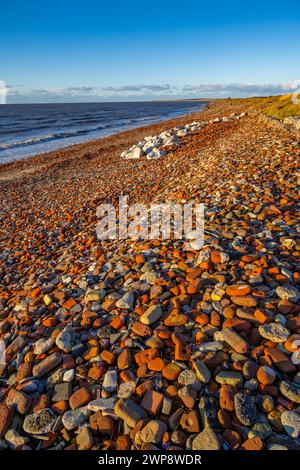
(31,129)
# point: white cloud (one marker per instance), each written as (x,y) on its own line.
(147,92)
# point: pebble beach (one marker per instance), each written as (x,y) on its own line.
(140,344)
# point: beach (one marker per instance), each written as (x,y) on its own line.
(88,363)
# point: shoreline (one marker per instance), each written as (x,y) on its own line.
(122,135)
(108,134)
(149,345)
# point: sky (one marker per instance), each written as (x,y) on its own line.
(95,50)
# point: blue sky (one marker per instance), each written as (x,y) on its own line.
(127,50)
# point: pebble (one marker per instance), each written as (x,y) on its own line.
(227,393)
(151,315)
(69,375)
(46,365)
(40,422)
(14,439)
(62,391)
(152,402)
(290,390)
(126,389)
(291,423)
(229,378)
(109,337)
(166,406)
(261,429)
(101,424)
(188,395)
(153,431)
(244,301)
(81,397)
(43,345)
(188,377)
(72,419)
(65,340)
(245,409)
(274,332)
(266,375)
(254,443)
(234,340)
(206,440)
(102,404)
(6,416)
(126,301)
(110,381)
(85,438)
(287,292)
(202,372)
(129,411)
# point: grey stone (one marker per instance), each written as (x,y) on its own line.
(202,371)
(69,375)
(245,409)
(126,389)
(150,277)
(66,339)
(151,315)
(62,391)
(129,411)
(287,292)
(126,301)
(40,422)
(153,431)
(274,332)
(261,428)
(166,406)
(208,409)
(85,438)
(102,404)
(72,419)
(290,390)
(291,423)
(43,345)
(188,377)
(206,440)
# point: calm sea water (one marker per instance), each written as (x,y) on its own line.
(30,129)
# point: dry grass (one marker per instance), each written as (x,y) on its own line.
(282,107)
(278,107)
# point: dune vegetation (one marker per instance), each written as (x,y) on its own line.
(282,107)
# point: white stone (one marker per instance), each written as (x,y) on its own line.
(69,375)
(43,345)
(155,153)
(110,381)
(72,419)
(103,404)
(134,153)
(126,301)
(66,339)
(126,389)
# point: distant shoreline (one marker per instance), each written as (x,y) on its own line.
(109,102)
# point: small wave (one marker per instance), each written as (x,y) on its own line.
(55,136)
(44,138)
